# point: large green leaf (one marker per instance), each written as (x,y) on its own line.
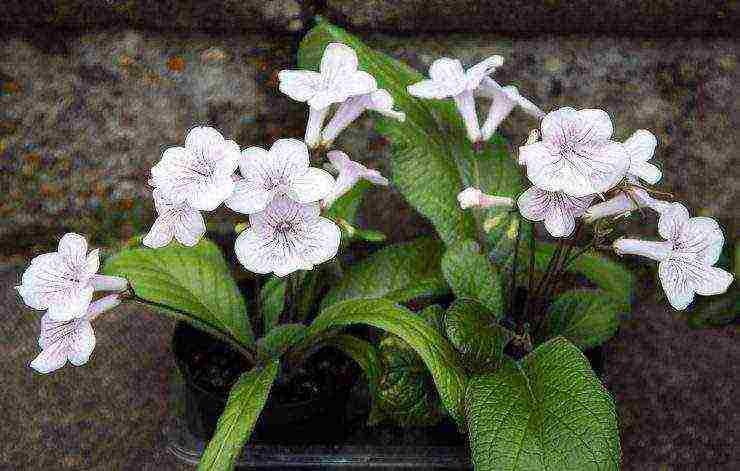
(438,355)
(363,353)
(194,281)
(471,275)
(586,317)
(549,412)
(432,158)
(473,331)
(246,400)
(280,339)
(273,300)
(399,272)
(405,394)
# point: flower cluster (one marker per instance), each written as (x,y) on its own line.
(278,189)
(63,283)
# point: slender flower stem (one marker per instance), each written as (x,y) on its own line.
(530,283)
(512,290)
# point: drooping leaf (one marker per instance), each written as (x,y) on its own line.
(434,315)
(246,400)
(432,159)
(438,355)
(273,300)
(471,275)
(280,339)
(399,272)
(364,354)
(405,394)
(192,280)
(586,317)
(472,329)
(549,412)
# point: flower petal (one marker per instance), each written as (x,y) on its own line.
(189,227)
(672,221)
(300,85)
(51,358)
(646,172)
(450,73)
(160,234)
(475,74)
(595,125)
(559,222)
(73,248)
(359,83)
(700,238)
(533,204)
(70,303)
(288,158)
(641,146)
(249,197)
(81,343)
(314,185)
(322,241)
(555,122)
(431,89)
(92,262)
(338,60)
(209,193)
(540,152)
(255,253)
(678,289)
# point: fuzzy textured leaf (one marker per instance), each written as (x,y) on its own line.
(195,280)
(280,339)
(473,331)
(432,158)
(586,317)
(273,299)
(547,412)
(246,400)
(399,272)
(438,355)
(471,275)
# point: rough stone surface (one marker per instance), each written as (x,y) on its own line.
(203,15)
(672,18)
(83,119)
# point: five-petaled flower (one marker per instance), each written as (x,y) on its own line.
(559,210)
(350,172)
(686,257)
(176,220)
(64,281)
(199,173)
(449,80)
(379,100)
(337,80)
(474,198)
(71,339)
(576,155)
(283,170)
(504,100)
(285,237)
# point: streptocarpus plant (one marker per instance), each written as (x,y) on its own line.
(507,369)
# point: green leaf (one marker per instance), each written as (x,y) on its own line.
(432,158)
(194,280)
(399,272)
(405,393)
(606,274)
(471,275)
(438,355)
(347,205)
(586,317)
(549,412)
(280,339)
(246,400)
(273,300)
(473,331)
(364,354)
(434,315)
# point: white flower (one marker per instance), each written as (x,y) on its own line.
(64,281)
(505,99)
(176,220)
(285,237)
(559,210)
(625,202)
(337,80)
(686,257)
(71,340)
(283,170)
(350,172)
(379,100)
(449,80)
(474,198)
(199,173)
(575,155)
(641,147)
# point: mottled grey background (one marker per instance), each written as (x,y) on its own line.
(91,92)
